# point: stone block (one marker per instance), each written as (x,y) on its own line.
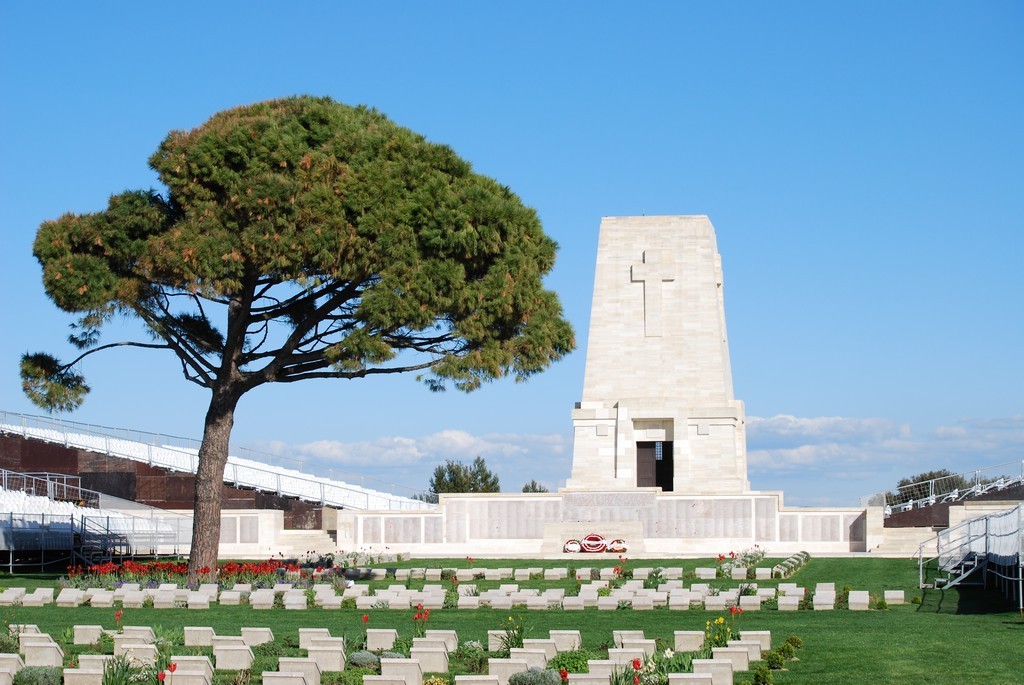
(228,641)
(737,656)
(432,659)
(753,648)
(644,645)
(566,640)
(102,598)
(141,653)
(763,638)
(572,604)
(307,635)
(705,573)
(738,573)
(409,670)
(192,664)
(750,603)
(466,602)
(382,680)
(602,667)
(721,671)
(547,645)
(284,678)
(503,668)
(257,636)
(230,598)
(588,679)
(893,597)
(43,654)
(449,637)
(232,658)
(144,633)
(859,600)
(86,635)
(688,640)
(327,658)
(133,599)
(164,599)
(691,679)
(607,603)
(179,678)
(625,655)
(70,597)
(304,665)
(476,680)
(83,676)
(789,602)
(93,662)
(11,662)
(642,603)
(199,636)
(763,573)
(715,602)
(380,639)
(534,658)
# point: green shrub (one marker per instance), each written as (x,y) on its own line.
(8,642)
(915,599)
(535,676)
(773,660)
(351,676)
(795,641)
(574,661)
(786,650)
(393,655)
(364,659)
(763,676)
(39,675)
(881,605)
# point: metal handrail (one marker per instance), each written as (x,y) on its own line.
(947,488)
(236,471)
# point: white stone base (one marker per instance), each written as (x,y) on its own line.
(653,524)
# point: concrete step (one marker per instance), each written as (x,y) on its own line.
(296,543)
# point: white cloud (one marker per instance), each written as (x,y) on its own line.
(403,462)
(838,459)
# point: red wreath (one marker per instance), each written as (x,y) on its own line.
(594,543)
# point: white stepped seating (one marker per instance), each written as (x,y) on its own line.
(18,502)
(239,471)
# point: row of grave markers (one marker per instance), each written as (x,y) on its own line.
(429,654)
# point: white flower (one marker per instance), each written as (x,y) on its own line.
(669,654)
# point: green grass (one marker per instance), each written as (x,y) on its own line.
(951,637)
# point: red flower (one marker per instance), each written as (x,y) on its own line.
(735,610)
(366,618)
(117,615)
(172,667)
(564,674)
(160,676)
(636,664)
(721,558)
(636,680)
(418,617)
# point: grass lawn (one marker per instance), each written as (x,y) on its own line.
(951,637)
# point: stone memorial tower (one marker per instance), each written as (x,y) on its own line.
(658,409)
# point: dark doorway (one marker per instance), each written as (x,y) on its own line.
(654,465)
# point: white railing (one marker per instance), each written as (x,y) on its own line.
(181,454)
(947,489)
(994,540)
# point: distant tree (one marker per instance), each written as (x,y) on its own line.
(534,486)
(298,239)
(454,476)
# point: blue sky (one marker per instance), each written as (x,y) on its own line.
(861,162)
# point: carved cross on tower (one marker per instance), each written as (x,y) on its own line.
(656,268)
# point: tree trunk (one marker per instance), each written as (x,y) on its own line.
(213,456)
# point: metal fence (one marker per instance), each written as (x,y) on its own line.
(946,489)
(181,454)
